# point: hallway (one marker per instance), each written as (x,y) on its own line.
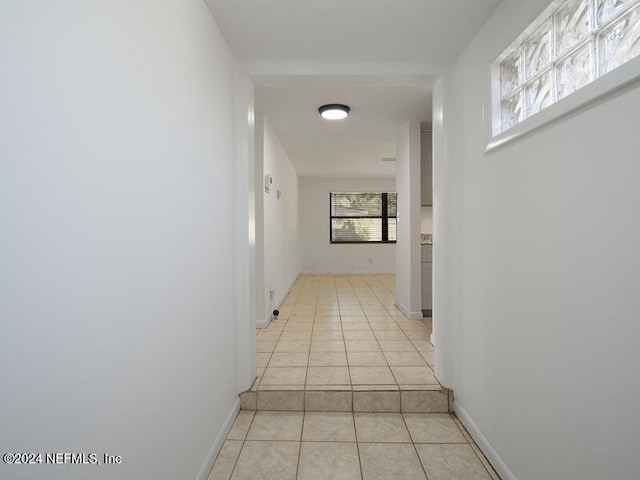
(345,331)
(340,344)
(166,181)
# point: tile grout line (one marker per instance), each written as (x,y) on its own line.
(483,460)
(415,449)
(466,435)
(415,348)
(346,353)
(235,464)
(284,324)
(387,361)
(306,373)
(244,441)
(352,392)
(355,431)
(304,416)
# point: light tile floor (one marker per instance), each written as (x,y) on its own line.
(341,336)
(268,445)
(344,331)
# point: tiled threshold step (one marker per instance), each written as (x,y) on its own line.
(360,398)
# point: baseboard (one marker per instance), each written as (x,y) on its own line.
(494,459)
(206,467)
(408,314)
(264,323)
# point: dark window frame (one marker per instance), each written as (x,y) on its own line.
(384,219)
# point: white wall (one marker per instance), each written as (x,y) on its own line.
(281,231)
(262,300)
(408,179)
(246,251)
(426,219)
(447,228)
(119,286)
(545,351)
(320,256)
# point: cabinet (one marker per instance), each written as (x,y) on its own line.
(426,169)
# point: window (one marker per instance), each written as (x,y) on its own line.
(573,43)
(363,217)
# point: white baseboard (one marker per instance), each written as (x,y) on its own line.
(206,467)
(408,314)
(264,323)
(494,459)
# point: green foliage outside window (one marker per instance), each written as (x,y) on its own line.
(363,217)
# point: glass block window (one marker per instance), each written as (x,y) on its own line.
(570,45)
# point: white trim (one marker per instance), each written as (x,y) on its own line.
(258,68)
(404,311)
(203,473)
(621,77)
(264,323)
(494,459)
(408,314)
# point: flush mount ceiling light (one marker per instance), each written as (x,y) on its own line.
(334,111)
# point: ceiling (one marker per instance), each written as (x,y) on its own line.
(355,146)
(430,31)
(380,57)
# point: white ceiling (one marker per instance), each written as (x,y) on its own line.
(432,31)
(377,56)
(356,145)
